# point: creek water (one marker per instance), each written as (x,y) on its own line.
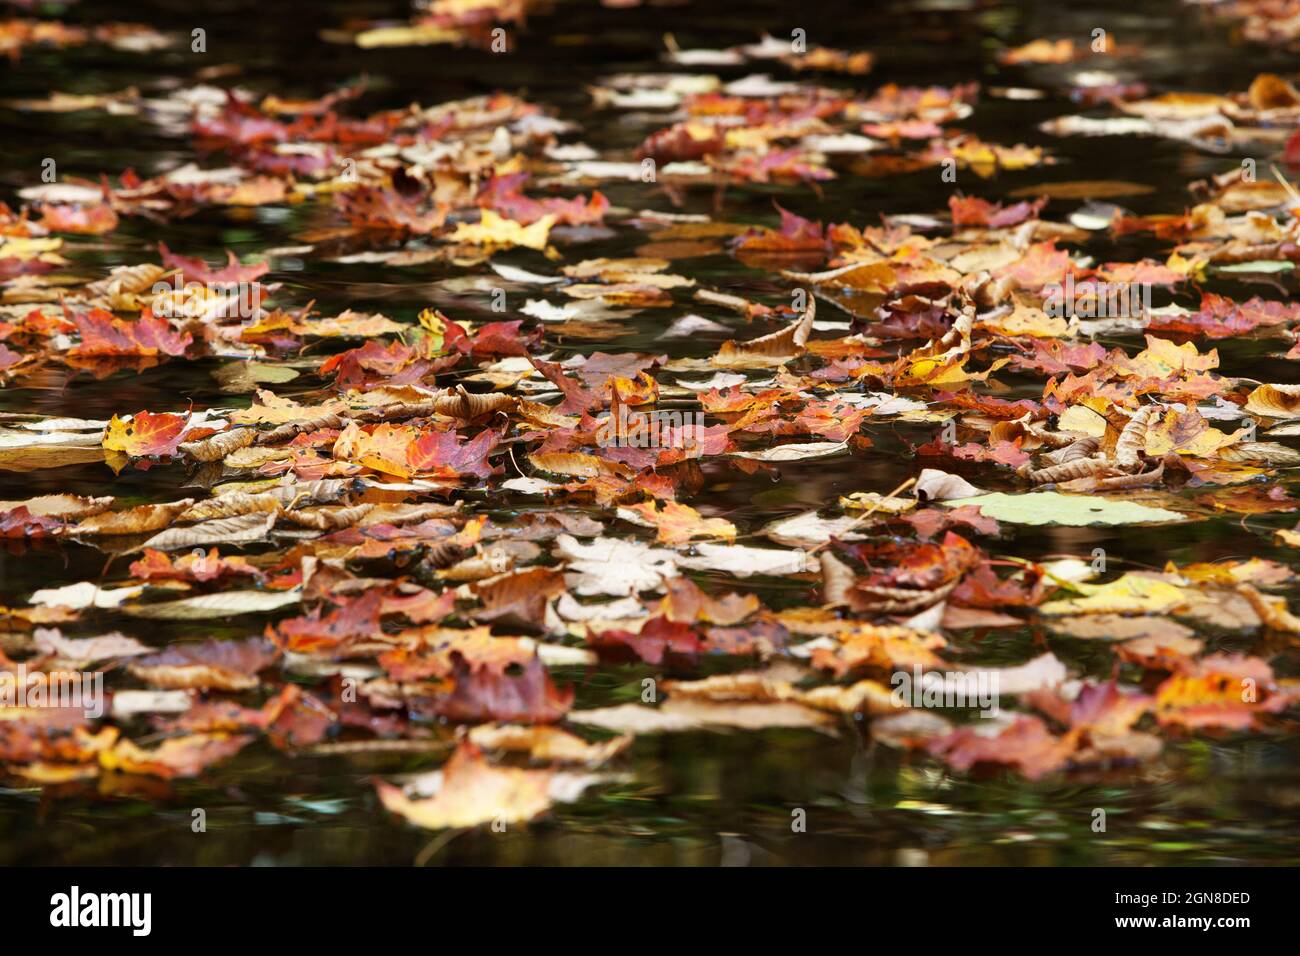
(699,798)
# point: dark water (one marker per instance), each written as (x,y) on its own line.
(703,798)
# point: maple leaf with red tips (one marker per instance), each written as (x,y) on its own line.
(290,165)
(773,165)
(12,266)
(732,399)
(682,142)
(220,716)
(296,718)
(374,363)
(94,220)
(796,235)
(373,356)
(174,757)
(498,339)
(387,210)
(9,358)
(928,522)
(146,434)
(1219,690)
(664,638)
(383,540)
(1026,744)
(226,665)
(601,369)
(292,718)
(1054,357)
(900,102)
(608,490)
(1142,271)
(443,455)
(525,695)
(434,653)
(52,733)
(194,269)
(1168,227)
(238,124)
(104,335)
(913,565)
(903,129)
(1219,317)
(502,194)
(835,420)
(1002,452)
(1041,265)
(685,442)
(685,601)
(354,619)
(982,587)
(657,638)
(21,523)
(972,211)
(576,397)
(197,566)
(519,599)
(37,324)
(1106,709)
(421,607)
(758,638)
(991,405)
(677,523)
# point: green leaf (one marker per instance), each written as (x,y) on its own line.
(1050,507)
(1259,265)
(239,377)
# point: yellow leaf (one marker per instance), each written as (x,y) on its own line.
(493,230)
(1087,417)
(678,523)
(1129,594)
(1027,321)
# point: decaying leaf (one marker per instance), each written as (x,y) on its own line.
(226,665)
(243,528)
(687,715)
(775,349)
(469,791)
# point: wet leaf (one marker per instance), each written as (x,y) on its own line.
(176,757)
(469,791)
(1050,507)
(689,715)
(225,665)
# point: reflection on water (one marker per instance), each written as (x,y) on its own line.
(694,798)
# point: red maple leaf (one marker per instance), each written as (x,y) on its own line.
(21,523)
(442,454)
(194,269)
(102,334)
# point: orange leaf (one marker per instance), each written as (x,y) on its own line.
(145,434)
